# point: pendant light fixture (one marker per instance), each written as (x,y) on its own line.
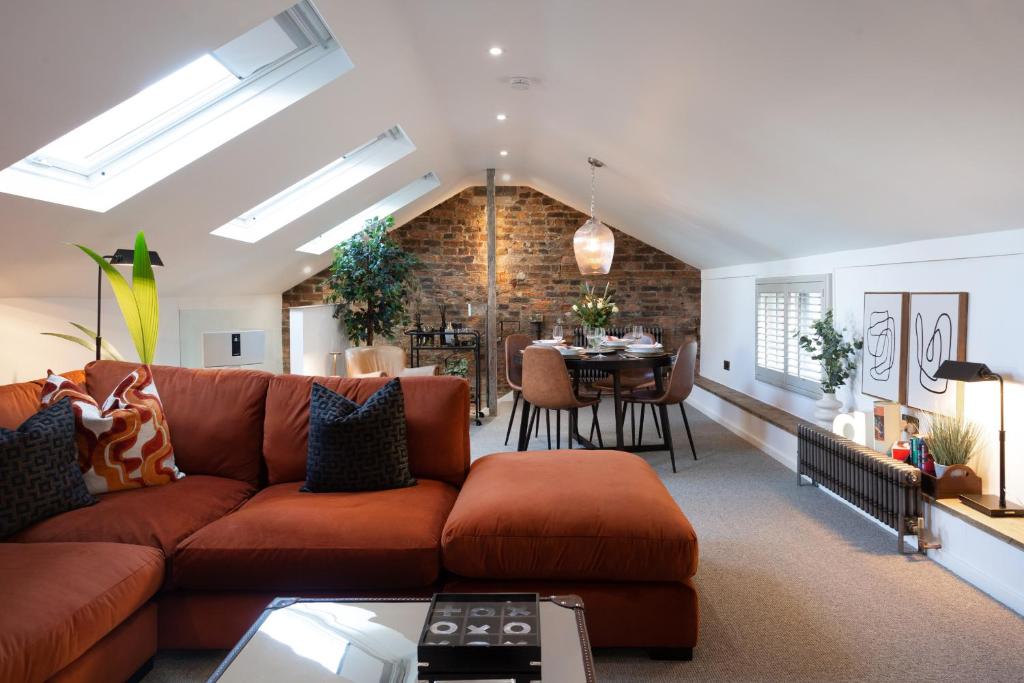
(594,242)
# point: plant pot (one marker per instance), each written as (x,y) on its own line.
(940,470)
(826,408)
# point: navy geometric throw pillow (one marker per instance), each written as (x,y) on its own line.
(39,472)
(356,447)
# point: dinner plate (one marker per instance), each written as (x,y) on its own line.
(548,342)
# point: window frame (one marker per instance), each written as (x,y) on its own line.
(258,96)
(788,285)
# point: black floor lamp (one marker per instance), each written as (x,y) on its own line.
(993,506)
(121,257)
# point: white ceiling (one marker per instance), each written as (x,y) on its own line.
(733,130)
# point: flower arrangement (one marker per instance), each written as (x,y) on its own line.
(594,310)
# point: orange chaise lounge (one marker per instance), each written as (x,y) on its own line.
(91,594)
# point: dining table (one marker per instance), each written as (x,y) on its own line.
(611,362)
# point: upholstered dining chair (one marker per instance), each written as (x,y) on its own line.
(514,344)
(628,381)
(677,390)
(388,360)
(547,385)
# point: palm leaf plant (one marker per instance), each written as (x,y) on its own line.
(138,302)
(107,350)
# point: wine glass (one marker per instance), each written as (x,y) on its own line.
(556,331)
(638,333)
(596,336)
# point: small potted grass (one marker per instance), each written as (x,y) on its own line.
(952,441)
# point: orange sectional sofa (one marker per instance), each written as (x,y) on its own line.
(193,563)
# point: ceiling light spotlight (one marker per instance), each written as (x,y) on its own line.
(503,152)
(506,177)
(501,117)
(495,51)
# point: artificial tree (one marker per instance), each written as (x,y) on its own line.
(370,281)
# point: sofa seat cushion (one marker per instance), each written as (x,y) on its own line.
(59,599)
(596,515)
(156,516)
(289,540)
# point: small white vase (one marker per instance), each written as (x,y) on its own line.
(826,408)
(940,470)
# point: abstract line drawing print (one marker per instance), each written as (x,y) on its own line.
(880,345)
(933,351)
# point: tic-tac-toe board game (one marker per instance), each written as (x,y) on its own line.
(481,635)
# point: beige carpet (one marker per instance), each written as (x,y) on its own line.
(794,585)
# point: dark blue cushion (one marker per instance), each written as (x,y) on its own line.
(39,472)
(356,447)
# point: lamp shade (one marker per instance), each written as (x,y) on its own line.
(594,246)
(962,371)
(126,257)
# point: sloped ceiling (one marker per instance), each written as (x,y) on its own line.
(733,131)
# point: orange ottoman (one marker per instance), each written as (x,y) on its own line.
(584,522)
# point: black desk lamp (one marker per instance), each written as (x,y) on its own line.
(121,257)
(993,506)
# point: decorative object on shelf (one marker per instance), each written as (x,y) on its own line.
(594,310)
(856,426)
(993,506)
(837,357)
(370,283)
(138,301)
(886,327)
(886,425)
(938,332)
(483,636)
(594,242)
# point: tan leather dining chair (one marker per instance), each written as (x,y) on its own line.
(514,344)
(680,384)
(388,360)
(547,385)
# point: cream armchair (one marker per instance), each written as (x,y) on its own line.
(381,361)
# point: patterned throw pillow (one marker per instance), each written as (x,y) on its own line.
(39,475)
(125,443)
(356,447)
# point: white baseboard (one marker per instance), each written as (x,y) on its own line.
(778,443)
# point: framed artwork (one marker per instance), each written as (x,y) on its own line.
(938,332)
(886,326)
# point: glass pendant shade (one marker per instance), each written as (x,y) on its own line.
(594,245)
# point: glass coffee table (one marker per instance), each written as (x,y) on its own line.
(374,641)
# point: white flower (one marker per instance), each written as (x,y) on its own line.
(575,307)
(615,309)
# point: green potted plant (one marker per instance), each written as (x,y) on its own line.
(370,281)
(952,441)
(838,359)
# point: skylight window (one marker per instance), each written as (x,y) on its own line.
(184,115)
(384,207)
(315,189)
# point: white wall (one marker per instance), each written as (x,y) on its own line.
(26,354)
(315,333)
(989,267)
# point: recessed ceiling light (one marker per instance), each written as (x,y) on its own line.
(506,177)
(503,152)
(495,51)
(501,117)
(307,270)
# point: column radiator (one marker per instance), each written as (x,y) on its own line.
(883,487)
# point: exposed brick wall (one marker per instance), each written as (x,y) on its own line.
(534,237)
